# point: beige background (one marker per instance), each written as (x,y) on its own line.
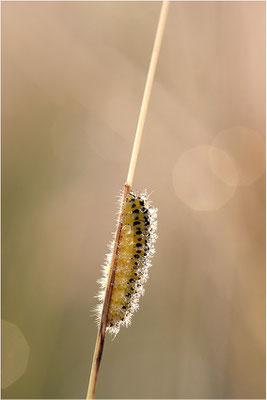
(73,78)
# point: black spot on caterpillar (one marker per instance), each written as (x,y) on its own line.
(136,248)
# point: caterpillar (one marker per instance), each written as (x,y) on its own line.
(136,248)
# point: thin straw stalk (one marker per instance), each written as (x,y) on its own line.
(138,136)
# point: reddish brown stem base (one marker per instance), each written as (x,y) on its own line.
(103,323)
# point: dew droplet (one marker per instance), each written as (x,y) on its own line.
(126,230)
(129,240)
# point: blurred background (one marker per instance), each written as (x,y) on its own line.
(73,80)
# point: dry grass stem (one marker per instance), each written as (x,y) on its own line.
(143,111)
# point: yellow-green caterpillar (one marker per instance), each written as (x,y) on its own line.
(136,247)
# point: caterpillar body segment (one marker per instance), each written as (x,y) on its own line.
(136,247)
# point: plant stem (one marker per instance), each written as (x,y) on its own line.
(141,121)
(103,324)
(148,88)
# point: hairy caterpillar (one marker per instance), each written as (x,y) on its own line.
(136,248)
(126,268)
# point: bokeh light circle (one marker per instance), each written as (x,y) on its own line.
(205,178)
(15,353)
(247,148)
